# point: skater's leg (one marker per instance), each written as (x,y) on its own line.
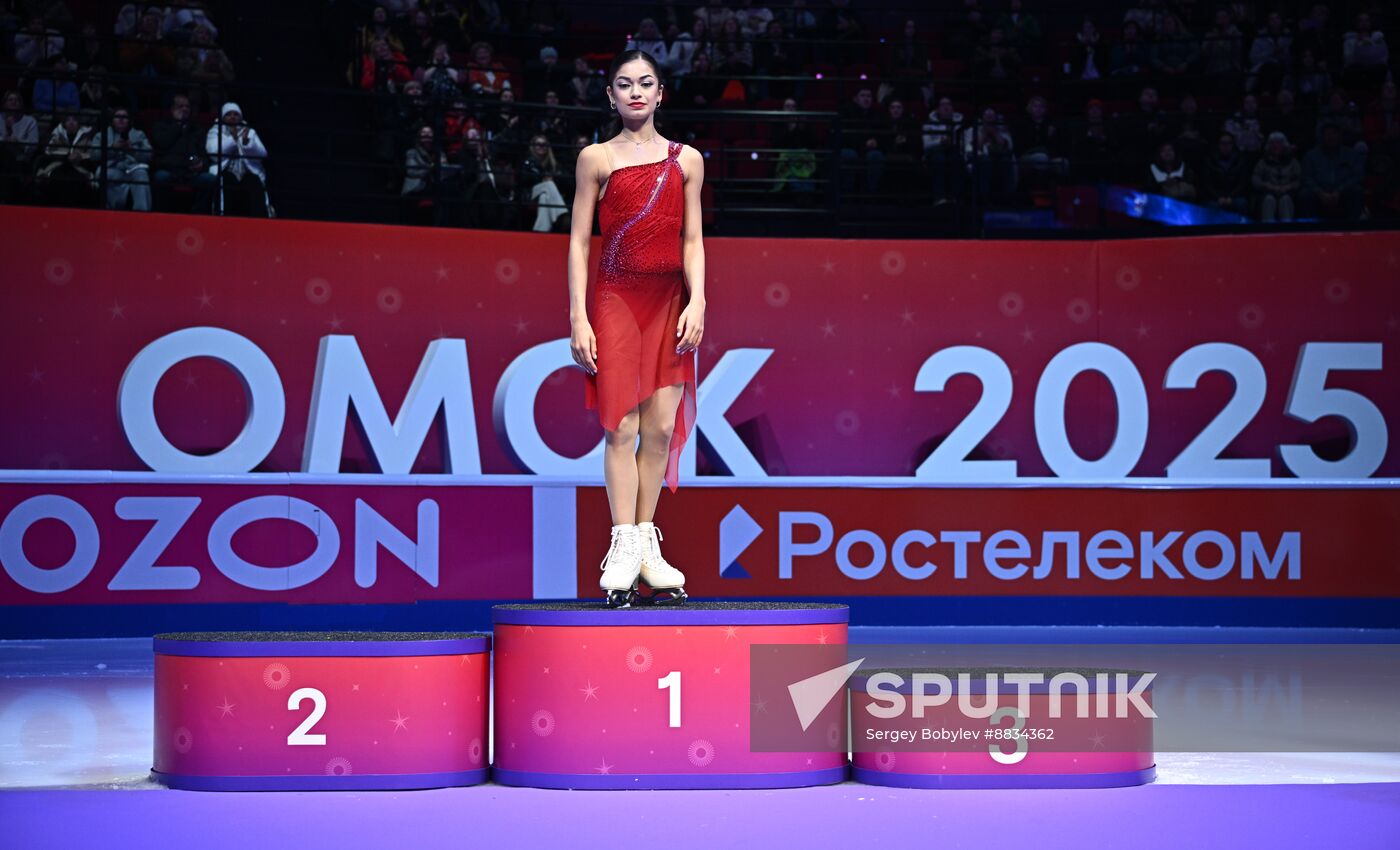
(620,469)
(658,422)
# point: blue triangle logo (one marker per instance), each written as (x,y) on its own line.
(736,531)
(734,570)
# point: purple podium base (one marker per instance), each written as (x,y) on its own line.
(673,781)
(891,779)
(357,782)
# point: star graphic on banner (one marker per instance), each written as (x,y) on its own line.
(354,687)
(821,637)
(1097,740)
(335,322)
(117,310)
(760,389)
(760,705)
(205,299)
(709,348)
(894,391)
(603,768)
(189,380)
(441,272)
(590,692)
(865,296)
(399,721)
(546,671)
(376,256)
(716,671)
(520,325)
(906,317)
(225,708)
(1028,335)
(1269,346)
(829,329)
(529,630)
(730,632)
(1142,331)
(118,242)
(277,259)
(828,266)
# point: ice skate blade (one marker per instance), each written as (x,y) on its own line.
(621,598)
(663,596)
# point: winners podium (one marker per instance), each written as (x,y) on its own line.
(646,697)
(701,695)
(266,711)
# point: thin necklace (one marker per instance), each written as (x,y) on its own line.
(636,143)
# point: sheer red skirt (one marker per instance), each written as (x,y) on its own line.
(636,301)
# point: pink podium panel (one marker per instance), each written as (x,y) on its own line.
(1089,729)
(647,697)
(256,711)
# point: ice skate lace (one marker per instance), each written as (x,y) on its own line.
(625,545)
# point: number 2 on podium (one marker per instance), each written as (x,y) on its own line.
(300,736)
(671,679)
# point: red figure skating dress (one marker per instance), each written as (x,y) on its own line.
(637,298)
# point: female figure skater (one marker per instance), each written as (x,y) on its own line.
(635,333)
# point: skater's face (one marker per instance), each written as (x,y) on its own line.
(635,89)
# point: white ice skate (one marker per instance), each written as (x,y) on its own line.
(666,582)
(621,566)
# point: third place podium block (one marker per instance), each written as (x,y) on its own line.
(647,697)
(1002,728)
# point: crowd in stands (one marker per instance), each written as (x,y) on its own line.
(123,113)
(1266,112)
(1243,110)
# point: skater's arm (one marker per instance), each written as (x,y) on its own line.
(588,174)
(692,321)
(692,244)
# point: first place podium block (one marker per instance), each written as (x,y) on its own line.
(647,697)
(267,711)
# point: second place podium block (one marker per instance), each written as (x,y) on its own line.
(298,711)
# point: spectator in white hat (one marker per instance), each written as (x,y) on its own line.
(237,154)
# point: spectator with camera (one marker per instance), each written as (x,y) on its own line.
(180,161)
(124,154)
(238,156)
